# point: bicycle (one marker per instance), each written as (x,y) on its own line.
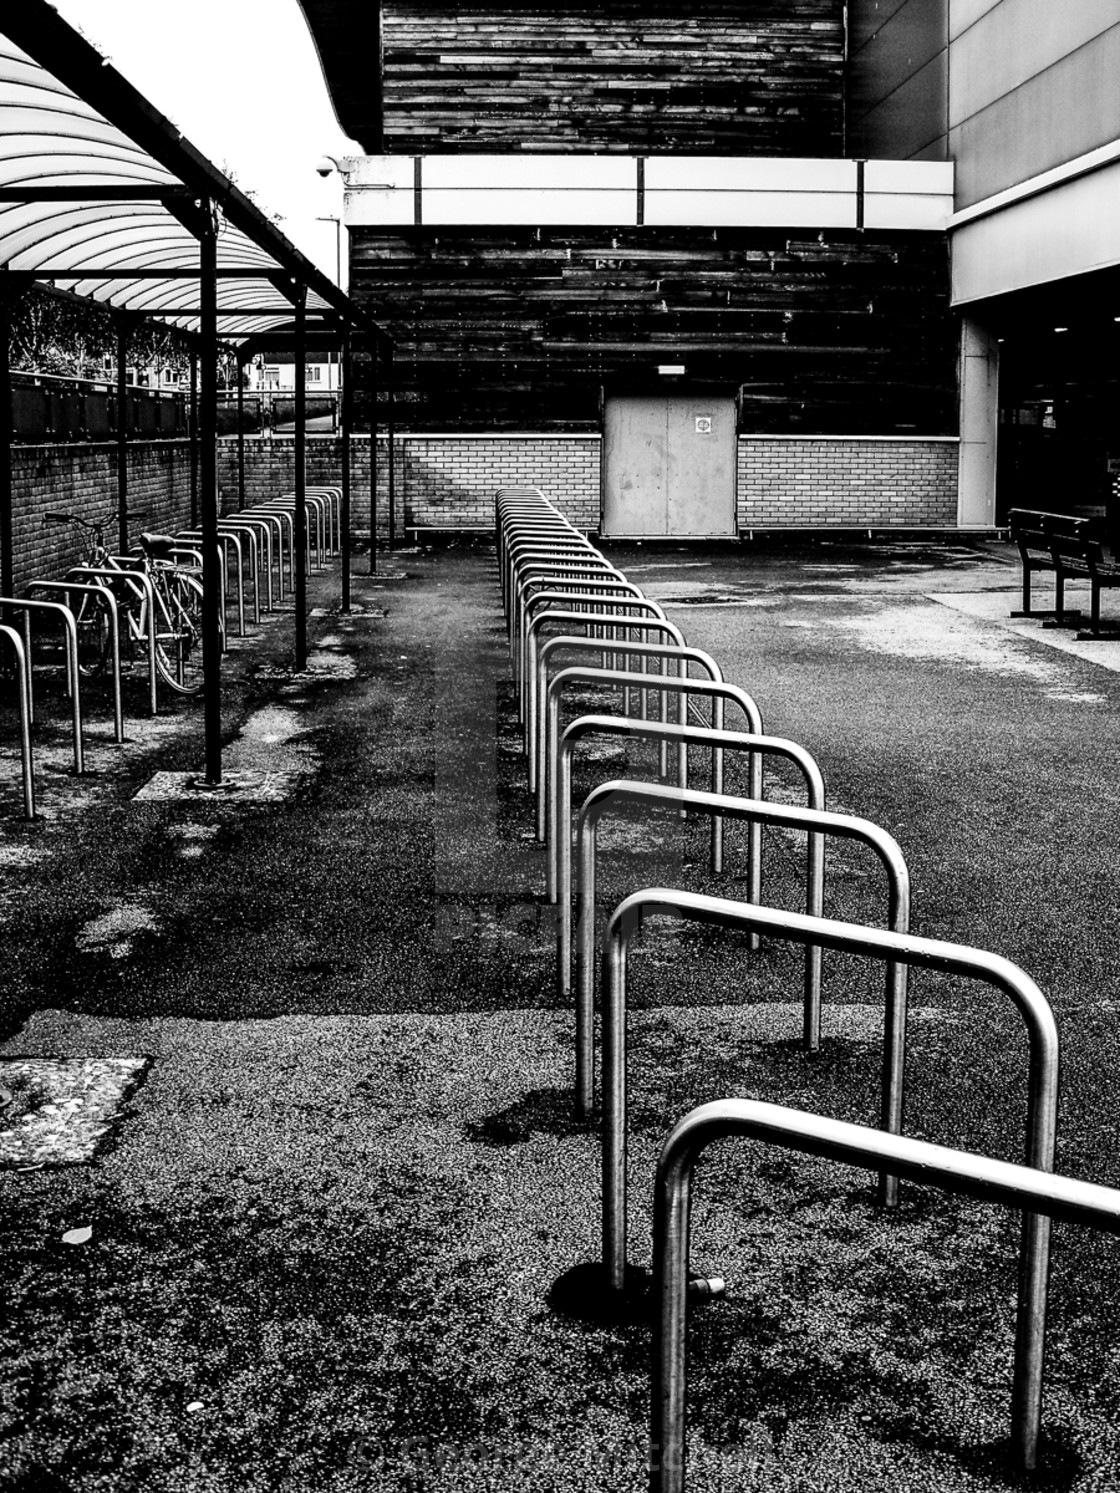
(176,596)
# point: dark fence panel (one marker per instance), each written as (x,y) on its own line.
(64,410)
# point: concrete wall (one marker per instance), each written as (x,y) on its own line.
(82,478)
(830,482)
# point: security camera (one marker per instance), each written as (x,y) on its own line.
(325,166)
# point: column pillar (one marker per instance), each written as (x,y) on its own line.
(979,426)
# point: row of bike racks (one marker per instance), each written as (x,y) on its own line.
(552,577)
(258,570)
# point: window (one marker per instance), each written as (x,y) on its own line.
(314,374)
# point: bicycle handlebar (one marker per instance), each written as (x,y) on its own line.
(90,523)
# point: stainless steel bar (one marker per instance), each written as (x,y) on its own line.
(548,575)
(530,549)
(596,596)
(143,581)
(560,857)
(259,535)
(606,620)
(992,969)
(814,822)
(624,609)
(110,601)
(703,688)
(538,757)
(1037,1191)
(73,677)
(284,520)
(27,761)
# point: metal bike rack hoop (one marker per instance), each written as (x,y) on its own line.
(817,824)
(664,653)
(992,969)
(73,676)
(105,593)
(1040,1192)
(27,761)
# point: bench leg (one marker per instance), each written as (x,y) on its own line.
(1055,618)
(1026,608)
(1060,617)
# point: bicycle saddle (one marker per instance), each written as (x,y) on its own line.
(159,545)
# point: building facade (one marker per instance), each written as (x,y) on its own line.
(777,265)
(1022,96)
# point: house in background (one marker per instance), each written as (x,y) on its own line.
(264,374)
(721,268)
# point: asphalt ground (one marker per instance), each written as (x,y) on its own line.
(328,1229)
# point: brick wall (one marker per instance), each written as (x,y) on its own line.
(835,482)
(448,482)
(82,478)
(440,482)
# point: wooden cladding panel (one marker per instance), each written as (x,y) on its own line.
(519,328)
(719,77)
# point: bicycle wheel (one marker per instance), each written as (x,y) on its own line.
(179,630)
(94,636)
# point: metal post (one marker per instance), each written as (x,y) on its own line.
(1042,1084)
(852,1145)
(347,422)
(240,432)
(300,562)
(122,435)
(7,559)
(373,458)
(208,454)
(392,423)
(194,438)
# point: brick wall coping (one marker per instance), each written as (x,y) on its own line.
(545,435)
(19,447)
(911,440)
(432,435)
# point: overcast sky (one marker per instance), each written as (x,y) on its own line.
(241,80)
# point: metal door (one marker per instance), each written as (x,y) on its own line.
(669,466)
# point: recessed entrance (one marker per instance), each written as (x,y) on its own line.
(669,466)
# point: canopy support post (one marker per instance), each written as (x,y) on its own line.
(194,438)
(347,421)
(240,431)
(300,581)
(392,421)
(122,435)
(373,458)
(207,447)
(7,559)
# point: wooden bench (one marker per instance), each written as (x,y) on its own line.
(1035,535)
(1081,557)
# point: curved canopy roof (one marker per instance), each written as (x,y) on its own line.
(99,193)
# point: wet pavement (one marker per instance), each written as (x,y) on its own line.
(327,1229)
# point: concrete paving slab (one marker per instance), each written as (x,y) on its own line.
(996,606)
